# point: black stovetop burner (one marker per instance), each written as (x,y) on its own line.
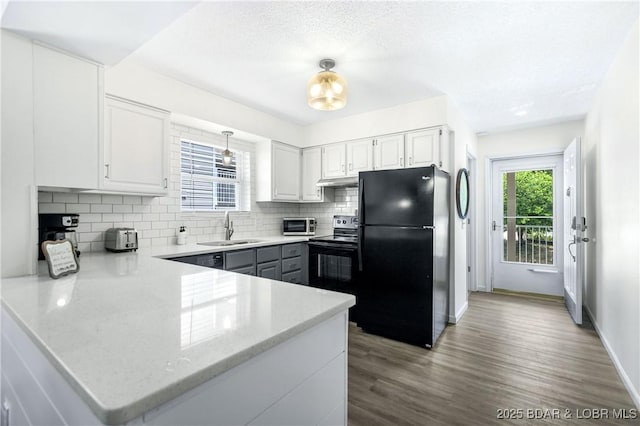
(345,231)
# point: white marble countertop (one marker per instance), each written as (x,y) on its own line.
(195,248)
(131,331)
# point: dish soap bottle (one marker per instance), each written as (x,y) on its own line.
(182,236)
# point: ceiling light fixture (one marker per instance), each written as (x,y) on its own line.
(226,155)
(327,90)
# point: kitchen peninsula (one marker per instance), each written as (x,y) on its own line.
(136,339)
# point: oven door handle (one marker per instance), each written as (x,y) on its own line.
(332,246)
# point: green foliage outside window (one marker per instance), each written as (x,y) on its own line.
(534,196)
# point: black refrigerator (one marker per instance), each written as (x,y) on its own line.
(403,254)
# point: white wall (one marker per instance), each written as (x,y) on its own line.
(143,85)
(17,156)
(465,141)
(611,159)
(547,139)
(400,118)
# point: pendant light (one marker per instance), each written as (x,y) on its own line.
(327,90)
(226,154)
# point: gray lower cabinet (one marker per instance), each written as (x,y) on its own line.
(280,262)
(269,265)
(241,261)
(292,277)
(271,270)
(292,263)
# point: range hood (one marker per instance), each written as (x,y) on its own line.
(343,182)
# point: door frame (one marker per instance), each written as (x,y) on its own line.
(488,206)
(471,223)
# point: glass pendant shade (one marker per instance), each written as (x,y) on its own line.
(226,154)
(226,157)
(327,90)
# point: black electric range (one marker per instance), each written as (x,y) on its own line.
(333,259)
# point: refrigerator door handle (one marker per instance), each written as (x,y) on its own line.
(360,239)
(360,220)
(361,202)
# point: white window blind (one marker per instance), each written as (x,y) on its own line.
(208,184)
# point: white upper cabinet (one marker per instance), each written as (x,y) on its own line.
(311,174)
(423,148)
(388,152)
(286,172)
(68,95)
(136,147)
(277,172)
(334,161)
(427,147)
(359,156)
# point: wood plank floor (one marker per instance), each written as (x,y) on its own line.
(507,352)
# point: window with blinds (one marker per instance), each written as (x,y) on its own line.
(207,184)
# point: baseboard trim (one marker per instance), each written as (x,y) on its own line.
(454,319)
(528,294)
(634,393)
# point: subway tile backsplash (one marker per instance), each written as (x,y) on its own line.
(158,219)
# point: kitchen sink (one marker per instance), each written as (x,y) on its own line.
(229,243)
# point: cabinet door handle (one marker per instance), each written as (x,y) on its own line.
(401,162)
(166,183)
(440,164)
(106,171)
(350,166)
(410,160)
(4,416)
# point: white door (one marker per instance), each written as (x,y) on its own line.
(388,152)
(574,227)
(311,174)
(527,225)
(333,161)
(359,156)
(286,172)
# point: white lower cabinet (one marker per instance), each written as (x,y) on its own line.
(136,147)
(301,381)
(388,152)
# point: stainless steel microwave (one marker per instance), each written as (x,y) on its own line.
(299,226)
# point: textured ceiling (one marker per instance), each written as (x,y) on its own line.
(505,64)
(104,31)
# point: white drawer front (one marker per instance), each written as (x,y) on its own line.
(312,401)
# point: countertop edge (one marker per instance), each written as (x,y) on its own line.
(192,249)
(136,409)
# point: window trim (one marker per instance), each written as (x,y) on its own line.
(240,181)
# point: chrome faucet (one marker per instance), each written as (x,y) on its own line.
(228,226)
